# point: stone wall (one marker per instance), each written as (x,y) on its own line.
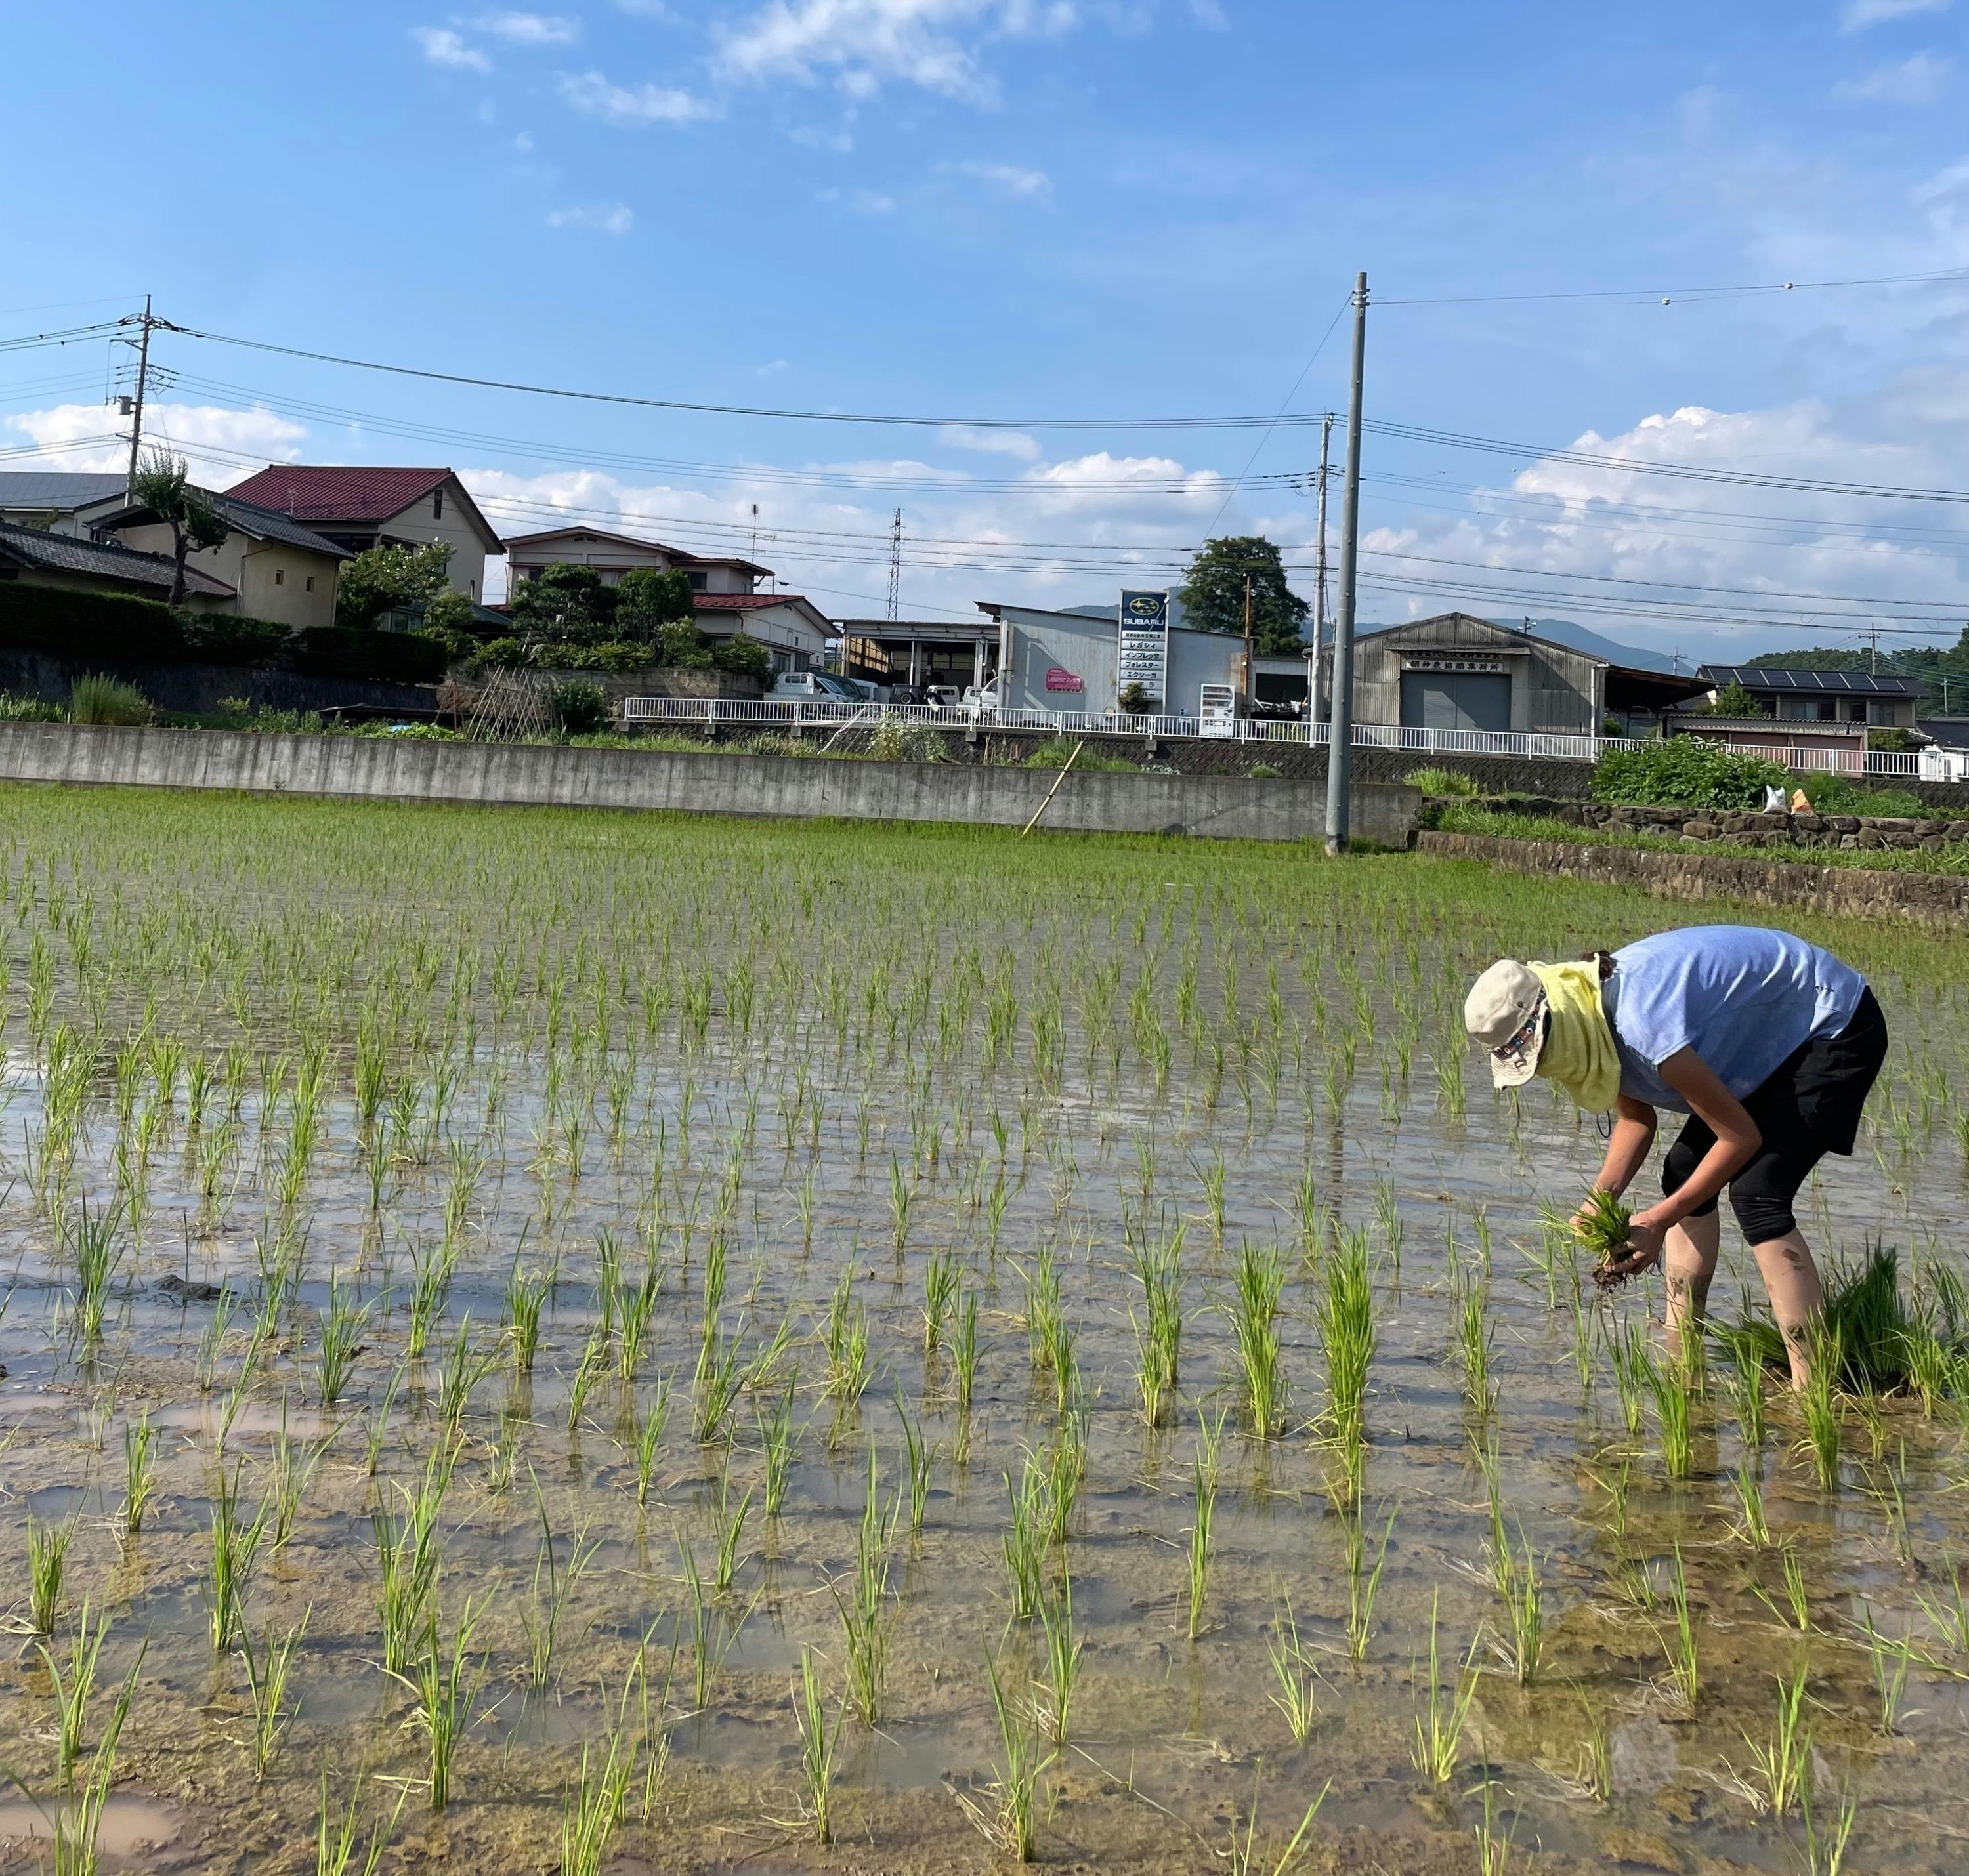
(1939,899)
(382,768)
(1854,833)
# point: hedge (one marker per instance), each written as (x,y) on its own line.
(108,625)
(1686,772)
(334,651)
(111,629)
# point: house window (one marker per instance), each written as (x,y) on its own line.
(699,582)
(437,506)
(1882,712)
(280,577)
(310,583)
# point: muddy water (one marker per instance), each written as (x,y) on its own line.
(1172,1739)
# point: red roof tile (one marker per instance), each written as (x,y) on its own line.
(739,602)
(311,493)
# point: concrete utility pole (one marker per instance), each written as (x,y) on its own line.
(137,414)
(1315,709)
(1250,687)
(1340,753)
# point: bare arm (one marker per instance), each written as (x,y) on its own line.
(1628,1146)
(1737,1137)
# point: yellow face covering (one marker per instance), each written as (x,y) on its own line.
(1578,1053)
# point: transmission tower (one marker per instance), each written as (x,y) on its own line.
(895,565)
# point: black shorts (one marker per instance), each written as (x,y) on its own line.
(1809,1107)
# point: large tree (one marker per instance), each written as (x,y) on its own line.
(162,485)
(564,604)
(1213,595)
(392,579)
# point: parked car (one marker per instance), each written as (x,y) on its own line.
(982,700)
(812,687)
(941,696)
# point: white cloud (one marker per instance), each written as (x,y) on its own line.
(210,437)
(531,29)
(1857,15)
(441,45)
(990,443)
(933,44)
(1703,544)
(1917,80)
(1009,176)
(630,105)
(601,218)
(862,201)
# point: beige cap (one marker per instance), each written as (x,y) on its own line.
(1505,1011)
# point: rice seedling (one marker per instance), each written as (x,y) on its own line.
(554,1584)
(963,1350)
(1825,1846)
(339,1833)
(1364,1586)
(1494,1848)
(1604,1227)
(1888,1662)
(1254,1314)
(1345,1319)
(1198,1580)
(866,1616)
(444,1693)
(1442,1714)
(1244,1856)
(1158,1267)
(649,1439)
(292,1469)
(140,1474)
(1780,1765)
(1474,1334)
(1751,1526)
(73,1690)
(1818,1405)
(1025,1538)
(1007,1816)
(591,1812)
(1670,1383)
(235,1549)
(1595,1776)
(1298,1678)
(594,1365)
(1516,1576)
(920,1456)
(267,1671)
(342,1324)
(1796,1613)
(77,1824)
(526,1295)
(850,1366)
(1681,1645)
(939,1294)
(1949,1614)
(729,1522)
(819,1740)
(779,1441)
(409,1547)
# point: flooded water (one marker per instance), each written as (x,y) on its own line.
(311,1108)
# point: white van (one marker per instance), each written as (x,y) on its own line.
(812,687)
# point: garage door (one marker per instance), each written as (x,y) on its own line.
(1455,700)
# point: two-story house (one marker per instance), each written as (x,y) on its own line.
(360,508)
(724,589)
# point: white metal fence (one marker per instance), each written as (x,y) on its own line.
(763,714)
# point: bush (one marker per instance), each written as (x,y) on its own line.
(891,741)
(580,707)
(1686,772)
(97,698)
(1134,701)
(504,654)
(1443,783)
(616,654)
(1833,794)
(1264,772)
(1054,752)
(331,651)
(1889,739)
(742,656)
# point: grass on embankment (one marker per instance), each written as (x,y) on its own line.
(1468,818)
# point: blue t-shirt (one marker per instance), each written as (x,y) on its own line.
(1741,996)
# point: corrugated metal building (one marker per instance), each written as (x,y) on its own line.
(1071,660)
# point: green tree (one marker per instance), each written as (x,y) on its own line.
(646,601)
(564,604)
(162,487)
(1736,700)
(1213,593)
(395,579)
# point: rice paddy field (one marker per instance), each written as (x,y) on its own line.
(544,1341)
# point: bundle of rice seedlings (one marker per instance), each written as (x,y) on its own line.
(1880,1339)
(1603,1228)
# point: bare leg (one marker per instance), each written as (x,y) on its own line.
(1689,1262)
(1791,1277)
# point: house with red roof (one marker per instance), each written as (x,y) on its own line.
(360,508)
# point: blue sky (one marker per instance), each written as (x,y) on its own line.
(1026,208)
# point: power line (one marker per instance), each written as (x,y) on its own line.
(1941,277)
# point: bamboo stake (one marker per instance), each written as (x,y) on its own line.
(1051,791)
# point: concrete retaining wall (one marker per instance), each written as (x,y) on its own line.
(1843,891)
(195,689)
(381,768)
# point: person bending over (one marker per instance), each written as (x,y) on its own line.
(1768,1043)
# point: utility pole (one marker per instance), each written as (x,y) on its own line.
(136,415)
(1249,686)
(896,566)
(1315,706)
(1874,666)
(1339,755)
